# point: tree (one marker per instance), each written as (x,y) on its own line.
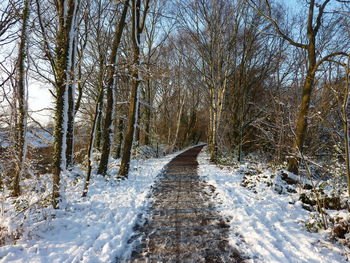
(138,23)
(157,32)
(313,26)
(67,18)
(209,25)
(346,121)
(8,19)
(110,89)
(21,96)
(103,17)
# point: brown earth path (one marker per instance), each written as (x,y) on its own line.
(182,224)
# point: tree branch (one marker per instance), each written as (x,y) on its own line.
(319,16)
(274,23)
(326,58)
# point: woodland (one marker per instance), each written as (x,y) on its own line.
(264,80)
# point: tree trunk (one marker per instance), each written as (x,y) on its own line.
(138,117)
(70,121)
(22,101)
(91,143)
(125,163)
(79,86)
(148,114)
(301,126)
(120,138)
(98,140)
(107,126)
(178,123)
(346,121)
(63,67)
(136,31)
(211,124)
(213,147)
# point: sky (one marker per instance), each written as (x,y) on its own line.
(39,98)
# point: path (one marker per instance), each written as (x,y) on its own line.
(183,224)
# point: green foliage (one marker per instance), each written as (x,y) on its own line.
(314,224)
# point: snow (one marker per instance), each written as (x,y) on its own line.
(265,225)
(39,139)
(92,229)
(35,138)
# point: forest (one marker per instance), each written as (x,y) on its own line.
(135,90)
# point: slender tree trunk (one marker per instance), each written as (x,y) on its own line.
(138,117)
(70,121)
(22,101)
(79,86)
(63,66)
(178,123)
(91,143)
(125,163)
(301,126)
(213,147)
(107,126)
(120,138)
(137,27)
(211,123)
(98,140)
(190,127)
(148,114)
(346,121)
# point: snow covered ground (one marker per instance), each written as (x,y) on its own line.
(267,226)
(92,229)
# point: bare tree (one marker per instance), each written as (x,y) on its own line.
(138,23)
(9,16)
(67,17)
(346,121)
(314,23)
(110,107)
(209,25)
(22,98)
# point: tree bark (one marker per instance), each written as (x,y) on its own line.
(137,27)
(346,121)
(120,138)
(62,70)
(102,61)
(91,142)
(98,140)
(301,126)
(22,101)
(178,122)
(71,115)
(111,69)
(148,113)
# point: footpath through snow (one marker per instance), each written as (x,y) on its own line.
(183,224)
(265,226)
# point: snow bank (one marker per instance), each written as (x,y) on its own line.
(92,229)
(267,226)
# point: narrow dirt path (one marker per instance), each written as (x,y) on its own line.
(183,224)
